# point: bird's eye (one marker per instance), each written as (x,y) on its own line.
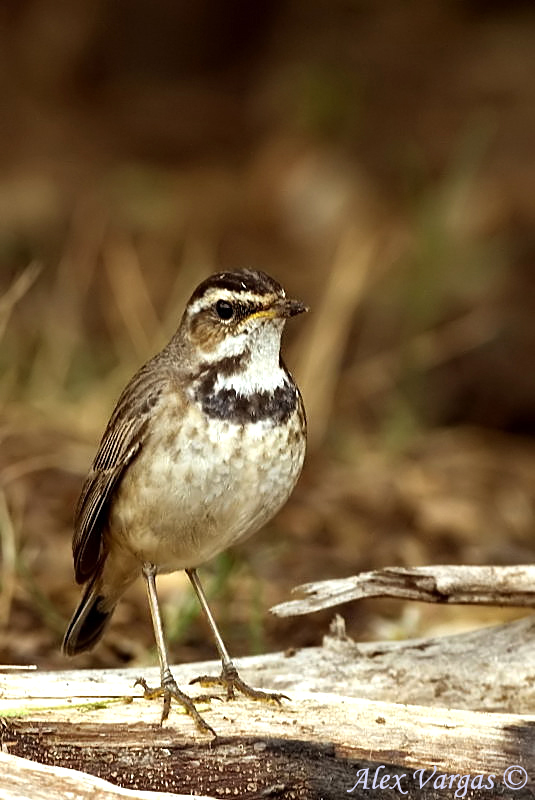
(224,309)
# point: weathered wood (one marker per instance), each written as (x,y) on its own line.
(315,744)
(22,778)
(313,747)
(491,586)
(491,669)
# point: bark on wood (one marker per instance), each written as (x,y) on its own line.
(491,586)
(22,778)
(315,744)
(312,749)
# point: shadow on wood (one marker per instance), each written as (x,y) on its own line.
(358,713)
(323,750)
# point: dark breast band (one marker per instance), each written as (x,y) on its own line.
(277,405)
(226,404)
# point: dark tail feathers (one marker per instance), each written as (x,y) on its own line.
(88,621)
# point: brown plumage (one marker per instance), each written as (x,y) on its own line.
(204,445)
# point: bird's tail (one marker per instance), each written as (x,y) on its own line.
(89,620)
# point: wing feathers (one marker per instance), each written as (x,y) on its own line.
(91,514)
(121,443)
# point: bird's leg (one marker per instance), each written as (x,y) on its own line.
(229,677)
(168,687)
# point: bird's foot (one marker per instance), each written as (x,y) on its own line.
(231,681)
(170,691)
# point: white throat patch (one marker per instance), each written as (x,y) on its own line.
(263,372)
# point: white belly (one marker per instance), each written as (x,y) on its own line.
(189,496)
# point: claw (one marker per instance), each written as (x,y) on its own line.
(169,690)
(230,680)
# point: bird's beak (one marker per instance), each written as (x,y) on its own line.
(290,308)
(281,309)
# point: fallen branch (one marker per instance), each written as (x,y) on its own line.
(420,704)
(356,710)
(463,585)
(22,778)
(313,747)
(490,669)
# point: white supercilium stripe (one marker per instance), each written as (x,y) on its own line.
(211,296)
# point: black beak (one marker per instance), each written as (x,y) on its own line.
(289,308)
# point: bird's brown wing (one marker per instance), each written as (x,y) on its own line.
(121,443)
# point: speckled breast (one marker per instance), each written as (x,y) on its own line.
(206,482)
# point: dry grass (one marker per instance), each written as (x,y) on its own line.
(408,249)
(101,311)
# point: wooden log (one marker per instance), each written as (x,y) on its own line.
(314,747)
(22,778)
(463,585)
(388,711)
(490,669)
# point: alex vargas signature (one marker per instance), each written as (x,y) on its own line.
(377,779)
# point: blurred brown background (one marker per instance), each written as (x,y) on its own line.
(378,158)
